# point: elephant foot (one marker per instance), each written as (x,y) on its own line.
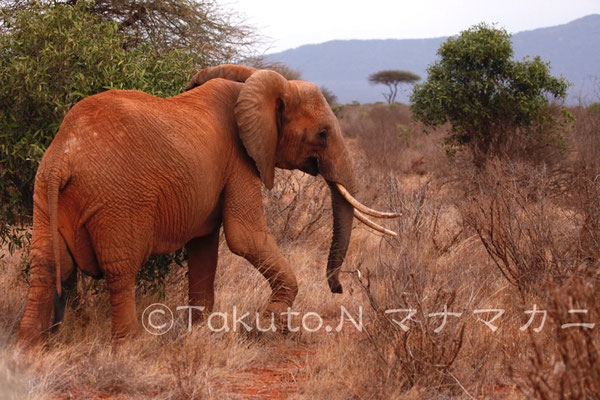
(334,284)
(30,338)
(199,315)
(125,332)
(277,307)
(35,323)
(119,344)
(276,314)
(121,338)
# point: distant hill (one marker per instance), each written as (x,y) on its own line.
(343,66)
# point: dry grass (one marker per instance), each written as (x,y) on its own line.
(567,366)
(508,237)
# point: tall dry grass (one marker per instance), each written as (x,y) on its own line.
(513,235)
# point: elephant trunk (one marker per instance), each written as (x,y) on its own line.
(343,215)
(338,172)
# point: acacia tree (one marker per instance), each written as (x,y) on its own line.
(485,95)
(392,78)
(202,28)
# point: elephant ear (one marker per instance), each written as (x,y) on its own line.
(259,114)
(237,73)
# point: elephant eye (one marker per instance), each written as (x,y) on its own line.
(323,134)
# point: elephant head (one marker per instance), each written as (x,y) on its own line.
(288,124)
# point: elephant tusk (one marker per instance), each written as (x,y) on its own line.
(363,218)
(361,207)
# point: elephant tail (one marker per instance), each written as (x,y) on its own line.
(55,177)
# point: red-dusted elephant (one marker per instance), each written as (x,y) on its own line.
(130,175)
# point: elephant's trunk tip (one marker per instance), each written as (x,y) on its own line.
(335,285)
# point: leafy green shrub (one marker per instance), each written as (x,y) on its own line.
(486,96)
(151,278)
(337,109)
(52,56)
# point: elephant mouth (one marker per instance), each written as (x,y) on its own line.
(311,166)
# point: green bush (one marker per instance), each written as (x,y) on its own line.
(52,56)
(486,96)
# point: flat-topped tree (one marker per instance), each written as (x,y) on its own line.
(392,78)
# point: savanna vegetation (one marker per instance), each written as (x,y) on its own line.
(518,232)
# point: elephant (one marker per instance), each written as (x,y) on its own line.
(129,175)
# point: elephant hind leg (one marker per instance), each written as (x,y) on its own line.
(120,266)
(69,286)
(123,314)
(202,265)
(122,244)
(38,311)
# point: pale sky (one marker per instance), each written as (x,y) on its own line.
(289,24)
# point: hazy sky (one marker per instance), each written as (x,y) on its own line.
(289,24)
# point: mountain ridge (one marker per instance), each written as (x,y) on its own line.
(343,66)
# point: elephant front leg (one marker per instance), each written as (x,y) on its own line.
(259,248)
(247,236)
(202,265)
